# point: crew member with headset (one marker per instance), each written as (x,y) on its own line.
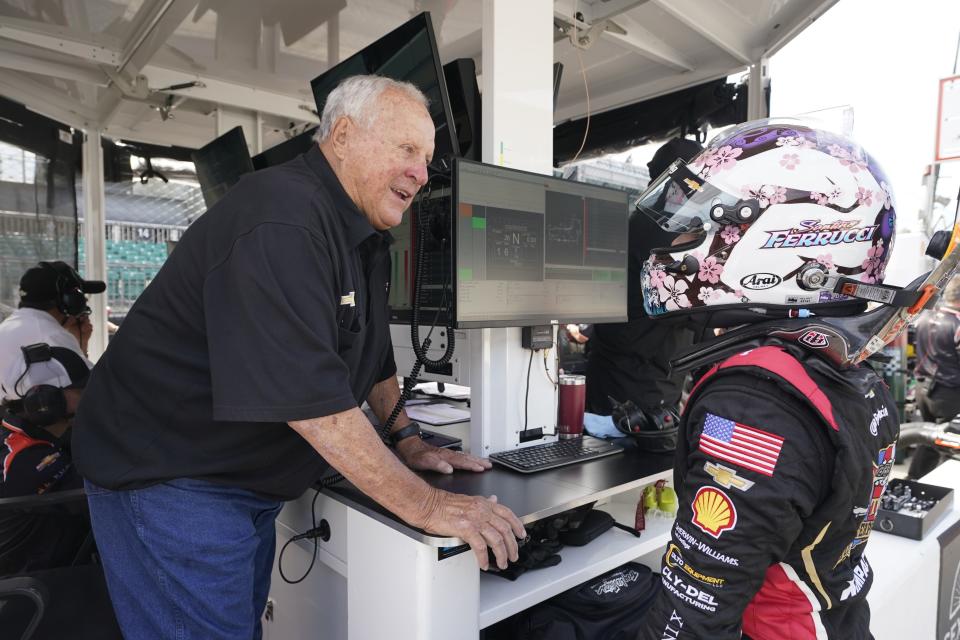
(42,372)
(52,310)
(937,372)
(35,455)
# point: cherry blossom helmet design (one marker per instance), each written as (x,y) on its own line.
(766,220)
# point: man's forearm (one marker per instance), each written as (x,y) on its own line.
(383,398)
(348,442)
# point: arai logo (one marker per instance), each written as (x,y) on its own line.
(758,281)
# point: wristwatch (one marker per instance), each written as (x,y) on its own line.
(412,429)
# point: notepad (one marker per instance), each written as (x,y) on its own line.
(437,414)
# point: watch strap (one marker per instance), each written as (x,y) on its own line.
(412,429)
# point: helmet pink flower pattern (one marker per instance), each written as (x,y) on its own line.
(806,199)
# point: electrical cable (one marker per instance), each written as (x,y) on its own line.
(546,369)
(420,273)
(526,398)
(586,88)
(17,383)
(313,533)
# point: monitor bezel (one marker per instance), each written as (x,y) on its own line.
(264,158)
(425,23)
(528,320)
(234,137)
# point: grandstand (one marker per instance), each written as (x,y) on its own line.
(143,218)
(131,265)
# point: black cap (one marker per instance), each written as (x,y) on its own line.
(41,285)
(671,150)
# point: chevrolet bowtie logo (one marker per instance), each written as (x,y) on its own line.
(348,299)
(727,477)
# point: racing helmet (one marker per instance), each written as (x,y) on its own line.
(764,223)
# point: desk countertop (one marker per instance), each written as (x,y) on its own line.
(530,496)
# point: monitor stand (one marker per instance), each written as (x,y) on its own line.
(499,401)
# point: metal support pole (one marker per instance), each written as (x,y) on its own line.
(333,40)
(759,82)
(94,235)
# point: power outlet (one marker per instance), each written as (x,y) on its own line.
(536,338)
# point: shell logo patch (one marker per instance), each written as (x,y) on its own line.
(713,511)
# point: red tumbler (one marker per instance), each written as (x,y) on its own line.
(573,399)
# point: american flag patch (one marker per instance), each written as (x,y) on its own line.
(742,445)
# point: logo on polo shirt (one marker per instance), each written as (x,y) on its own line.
(348,299)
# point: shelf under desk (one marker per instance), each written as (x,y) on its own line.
(423,594)
(531,497)
(501,598)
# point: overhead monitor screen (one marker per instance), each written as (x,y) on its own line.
(220,164)
(407,53)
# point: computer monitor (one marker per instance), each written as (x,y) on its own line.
(407,53)
(285,151)
(465,104)
(220,163)
(532,249)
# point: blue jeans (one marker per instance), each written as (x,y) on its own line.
(186,559)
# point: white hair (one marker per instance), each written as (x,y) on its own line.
(356,97)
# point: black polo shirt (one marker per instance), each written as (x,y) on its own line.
(272,308)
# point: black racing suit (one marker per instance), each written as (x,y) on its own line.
(778,477)
(631,361)
(36,540)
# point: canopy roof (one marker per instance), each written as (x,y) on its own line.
(155,70)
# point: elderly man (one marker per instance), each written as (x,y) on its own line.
(239,373)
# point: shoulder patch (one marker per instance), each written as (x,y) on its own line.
(727,477)
(744,446)
(713,511)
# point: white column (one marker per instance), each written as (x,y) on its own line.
(518,133)
(759,82)
(333,40)
(518,84)
(94,236)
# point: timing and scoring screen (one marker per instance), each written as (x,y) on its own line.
(532,249)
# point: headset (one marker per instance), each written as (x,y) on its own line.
(45,404)
(70,300)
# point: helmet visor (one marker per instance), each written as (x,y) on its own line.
(682,203)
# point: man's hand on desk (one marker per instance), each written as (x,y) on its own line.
(480,522)
(421,456)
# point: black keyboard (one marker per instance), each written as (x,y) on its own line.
(540,457)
